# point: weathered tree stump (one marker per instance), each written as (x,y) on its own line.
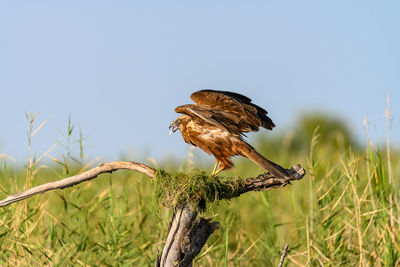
(187,234)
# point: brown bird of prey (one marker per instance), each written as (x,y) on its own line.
(217,124)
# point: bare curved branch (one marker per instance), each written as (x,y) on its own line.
(268,181)
(73,180)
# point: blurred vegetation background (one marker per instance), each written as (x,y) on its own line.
(344,212)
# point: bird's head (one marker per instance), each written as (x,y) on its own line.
(174,126)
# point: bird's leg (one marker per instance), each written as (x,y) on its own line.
(215,169)
(218,171)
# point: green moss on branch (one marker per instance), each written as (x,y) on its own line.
(196,187)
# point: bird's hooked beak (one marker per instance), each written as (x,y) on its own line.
(173,127)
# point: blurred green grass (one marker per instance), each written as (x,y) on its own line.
(344,212)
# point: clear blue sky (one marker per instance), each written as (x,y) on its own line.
(121,67)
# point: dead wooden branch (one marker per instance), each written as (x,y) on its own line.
(284,253)
(73,180)
(187,234)
(268,181)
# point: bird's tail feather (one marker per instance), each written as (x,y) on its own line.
(268,165)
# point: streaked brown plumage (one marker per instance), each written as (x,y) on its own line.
(217,123)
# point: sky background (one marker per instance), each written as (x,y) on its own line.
(119,68)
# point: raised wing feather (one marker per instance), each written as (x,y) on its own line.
(226,101)
(213,116)
(251,115)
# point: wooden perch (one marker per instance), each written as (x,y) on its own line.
(187,234)
(77,179)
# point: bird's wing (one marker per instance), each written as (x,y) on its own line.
(251,115)
(213,116)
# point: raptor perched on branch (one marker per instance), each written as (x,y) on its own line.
(217,123)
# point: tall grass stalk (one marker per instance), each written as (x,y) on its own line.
(389,164)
